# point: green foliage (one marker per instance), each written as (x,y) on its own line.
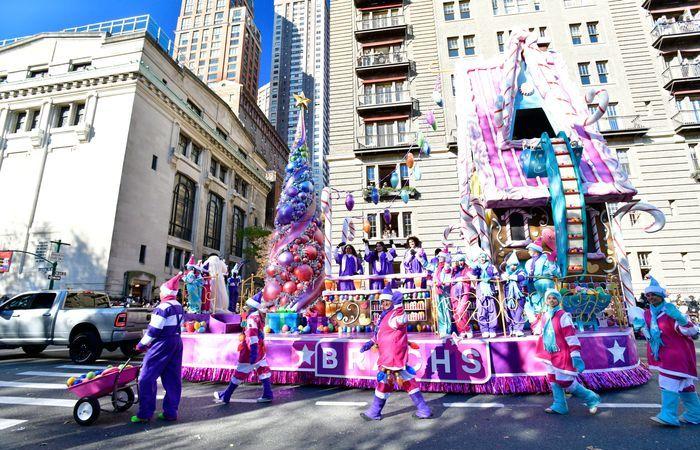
(255,241)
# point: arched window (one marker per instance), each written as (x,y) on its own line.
(212,226)
(182,210)
(236,233)
(517,227)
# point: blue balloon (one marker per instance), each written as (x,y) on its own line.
(394,179)
(375,195)
(306,186)
(404,195)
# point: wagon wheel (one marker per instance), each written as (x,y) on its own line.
(123,399)
(86,411)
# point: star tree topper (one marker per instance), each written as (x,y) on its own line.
(301,100)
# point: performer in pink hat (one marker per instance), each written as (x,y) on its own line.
(671,352)
(163,347)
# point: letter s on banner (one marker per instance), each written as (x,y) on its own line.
(472,359)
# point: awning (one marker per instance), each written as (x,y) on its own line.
(674,9)
(681,50)
(692,91)
(384,79)
(386,118)
(380,43)
(386,6)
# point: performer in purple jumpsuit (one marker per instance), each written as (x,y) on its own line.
(350,264)
(380,262)
(163,360)
(414,260)
(486,313)
(515,282)
(234,281)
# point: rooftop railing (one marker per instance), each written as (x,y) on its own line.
(380,22)
(673,28)
(680,72)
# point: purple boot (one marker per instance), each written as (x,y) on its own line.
(267,391)
(375,411)
(423,410)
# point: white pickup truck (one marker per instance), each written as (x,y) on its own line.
(82,320)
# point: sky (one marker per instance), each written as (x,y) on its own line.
(27,17)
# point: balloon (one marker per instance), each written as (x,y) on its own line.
(306,186)
(272,290)
(366,226)
(271,271)
(425,148)
(420,139)
(292,191)
(285,214)
(430,120)
(410,160)
(310,252)
(394,179)
(303,272)
(417,173)
(404,195)
(437,98)
(375,195)
(285,258)
(349,201)
(289,287)
(387,217)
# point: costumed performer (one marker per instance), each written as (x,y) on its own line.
(234,283)
(414,260)
(391,340)
(515,282)
(486,314)
(193,283)
(218,270)
(251,353)
(459,295)
(350,265)
(442,279)
(671,352)
(560,350)
(541,270)
(163,347)
(206,287)
(380,262)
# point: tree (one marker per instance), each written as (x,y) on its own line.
(256,248)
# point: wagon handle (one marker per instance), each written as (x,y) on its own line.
(116,379)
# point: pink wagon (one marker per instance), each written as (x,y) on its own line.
(118,385)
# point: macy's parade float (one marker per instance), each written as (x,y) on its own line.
(541,199)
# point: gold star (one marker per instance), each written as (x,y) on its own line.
(301,100)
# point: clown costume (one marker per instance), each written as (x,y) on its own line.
(541,269)
(391,339)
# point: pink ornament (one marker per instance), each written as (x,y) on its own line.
(272,290)
(271,271)
(289,287)
(285,258)
(311,252)
(303,272)
(318,236)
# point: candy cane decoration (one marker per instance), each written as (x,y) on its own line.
(658,215)
(326,210)
(348,233)
(603,100)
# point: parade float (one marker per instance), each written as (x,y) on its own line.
(541,197)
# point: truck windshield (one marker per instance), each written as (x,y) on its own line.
(77,300)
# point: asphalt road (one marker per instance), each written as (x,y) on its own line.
(36,412)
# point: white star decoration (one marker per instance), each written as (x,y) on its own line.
(304,355)
(617,352)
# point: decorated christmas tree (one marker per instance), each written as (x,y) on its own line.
(294,276)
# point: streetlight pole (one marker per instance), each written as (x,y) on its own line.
(54,264)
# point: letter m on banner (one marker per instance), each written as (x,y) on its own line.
(5,261)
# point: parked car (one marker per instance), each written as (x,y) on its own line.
(84,321)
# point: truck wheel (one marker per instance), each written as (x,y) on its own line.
(111,347)
(33,350)
(128,348)
(85,347)
(86,411)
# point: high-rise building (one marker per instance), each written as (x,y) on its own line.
(300,48)
(387,56)
(264,99)
(218,40)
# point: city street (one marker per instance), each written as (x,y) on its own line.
(36,411)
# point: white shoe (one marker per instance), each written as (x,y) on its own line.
(518,334)
(469,334)
(493,335)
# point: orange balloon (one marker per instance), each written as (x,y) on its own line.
(410,160)
(367,227)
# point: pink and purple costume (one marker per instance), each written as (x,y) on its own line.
(413,262)
(349,265)
(380,263)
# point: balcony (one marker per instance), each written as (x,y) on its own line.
(390,193)
(452,139)
(687,120)
(363,3)
(681,32)
(578,3)
(376,102)
(384,142)
(368,63)
(380,26)
(682,76)
(503,8)
(613,126)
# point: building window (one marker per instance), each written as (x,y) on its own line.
(241,186)
(575,30)
(372,219)
(20,121)
(370,177)
(142,254)
(584,73)
(80,66)
(602,68)
(623,158)
(543,31)
(196,153)
(693,155)
(177,258)
(644,266)
(188,6)
(35,115)
(469,48)
(38,73)
(592,32)
(406,219)
(154,162)
(517,227)
(499,39)
(63,118)
(634,217)
(182,209)
(197,110)
(79,116)
(221,133)
(168,254)
(464,12)
(212,226)
(673,207)
(183,144)
(686,261)
(238,223)
(218,17)
(452,47)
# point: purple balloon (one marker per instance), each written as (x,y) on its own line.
(292,191)
(285,258)
(387,217)
(349,201)
(306,186)
(285,214)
